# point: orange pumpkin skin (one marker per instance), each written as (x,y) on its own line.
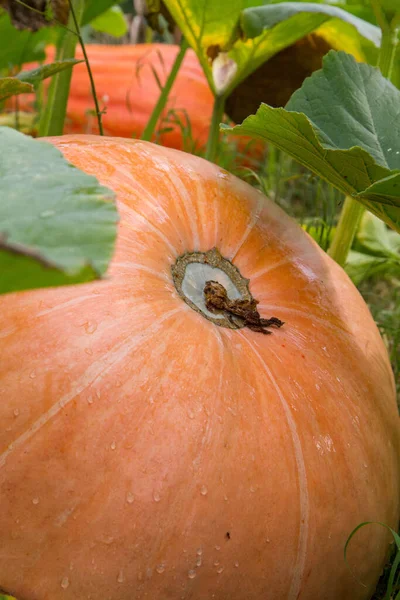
(149,453)
(128,90)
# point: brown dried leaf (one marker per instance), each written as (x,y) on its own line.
(35,14)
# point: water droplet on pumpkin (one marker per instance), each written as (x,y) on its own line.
(90,400)
(203,490)
(191,574)
(90,326)
(35,500)
(156,497)
(89,351)
(219,570)
(236,564)
(190,414)
(47,213)
(113,445)
(218,547)
(216,563)
(252,489)
(160,568)
(64,583)
(199,551)
(225,498)
(130,497)
(98,394)
(121,577)
(198,562)
(16,412)
(32,375)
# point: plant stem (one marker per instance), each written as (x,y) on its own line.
(88,67)
(213,136)
(52,122)
(347,226)
(159,107)
(387,51)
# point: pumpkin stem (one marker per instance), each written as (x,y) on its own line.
(217,300)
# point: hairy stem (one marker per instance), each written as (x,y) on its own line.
(52,121)
(213,136)
(346,229)
(162,100)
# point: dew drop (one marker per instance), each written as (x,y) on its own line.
(64,583)
(199,551)
(218,547)
(191,574)
(219,570)
(35,500)
(252,489)
(236,564)
(113,445)
(121,577)
(32,375)
(16,412)
(90,400)
(203,490)
(216,563)
(156,497)
(198,562)
(130,497)
(98,394)
(160,568)
(89,351)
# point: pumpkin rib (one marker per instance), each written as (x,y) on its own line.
(63,402)
(298,571)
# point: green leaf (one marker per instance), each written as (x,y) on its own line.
(94,8)
(11,86)
(21,46)
(344,125)
(57,224)
(112,22)
(254,21)
(374,237)
(35,76)
(360,266)
(250,33)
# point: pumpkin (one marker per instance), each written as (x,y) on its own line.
(156,443)
(126,85)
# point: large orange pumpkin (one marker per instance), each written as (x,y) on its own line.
(126,85)
(152,448)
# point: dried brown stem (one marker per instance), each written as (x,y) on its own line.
(217,300)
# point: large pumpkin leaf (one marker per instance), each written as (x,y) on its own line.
(57,224)
(343,124)
(251,33)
